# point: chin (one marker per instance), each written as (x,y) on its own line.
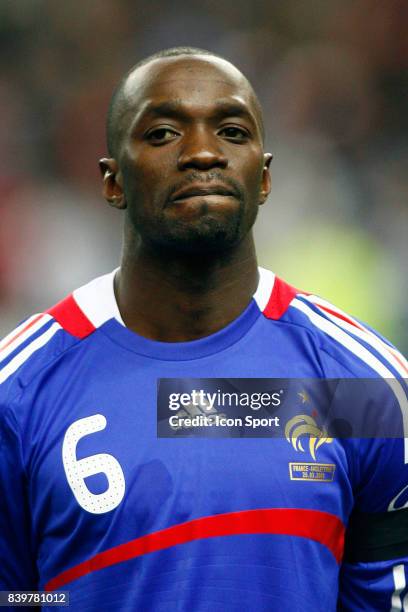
(213,238)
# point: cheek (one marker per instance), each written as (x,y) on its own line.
(147,172)
(249,169)
(252,178)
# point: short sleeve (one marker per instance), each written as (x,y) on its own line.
(17,559)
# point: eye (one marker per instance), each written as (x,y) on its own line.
(161,135)
(232,132)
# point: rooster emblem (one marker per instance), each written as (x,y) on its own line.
(305,425)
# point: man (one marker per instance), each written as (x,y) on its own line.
(97,498)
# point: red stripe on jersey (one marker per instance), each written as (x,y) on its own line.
(322,527)
(71,318)
(25,328)
(281,296)
(395,355)
(341,316)
(347,319)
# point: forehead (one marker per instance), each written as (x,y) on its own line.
(199,81)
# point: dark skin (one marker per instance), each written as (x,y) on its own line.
(188,265)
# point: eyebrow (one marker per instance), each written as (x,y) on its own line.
(176,109)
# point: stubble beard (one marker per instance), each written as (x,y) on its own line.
(208,234)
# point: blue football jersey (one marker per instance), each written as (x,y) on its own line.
(94,502)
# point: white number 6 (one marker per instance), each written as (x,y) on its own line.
(77,470)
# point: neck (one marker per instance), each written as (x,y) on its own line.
(177,298)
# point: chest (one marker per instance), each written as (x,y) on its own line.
(98,455)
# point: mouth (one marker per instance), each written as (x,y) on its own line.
(197,191)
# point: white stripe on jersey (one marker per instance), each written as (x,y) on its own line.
(36,344)
(396,359)
(265,286)
(17,330)
(21,336)
(331,329)
(398,574)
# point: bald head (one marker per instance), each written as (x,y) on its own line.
(132,90)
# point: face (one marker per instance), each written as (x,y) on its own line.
(190,171)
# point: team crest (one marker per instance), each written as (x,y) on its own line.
(300,429)
(305,425)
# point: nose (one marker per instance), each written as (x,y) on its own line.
(202,151)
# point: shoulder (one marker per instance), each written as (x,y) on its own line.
(42,338)
(347,346)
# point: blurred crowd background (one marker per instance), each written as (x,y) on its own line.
(332,78)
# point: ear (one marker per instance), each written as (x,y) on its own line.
(112,183)
(266,178)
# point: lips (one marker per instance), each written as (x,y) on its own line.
(201,190)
